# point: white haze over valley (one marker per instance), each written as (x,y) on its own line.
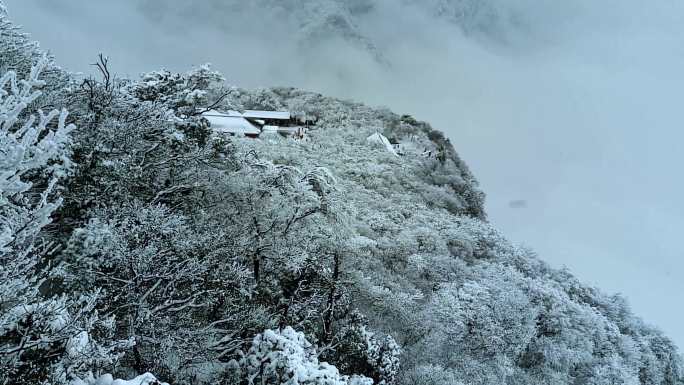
(568,112)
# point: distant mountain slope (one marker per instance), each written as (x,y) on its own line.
(316,23)
(461,300)
(313,22)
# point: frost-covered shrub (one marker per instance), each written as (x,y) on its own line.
(363,351)
(286,357)
(56,340)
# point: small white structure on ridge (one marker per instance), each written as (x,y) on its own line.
(231,122)
(268,116)
(380,139)
(253,123)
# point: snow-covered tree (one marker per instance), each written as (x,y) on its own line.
(183,93)
(130,149)
(172,293)
(29,149)
(286,357)
(368,353)
(18,53)
(43,336)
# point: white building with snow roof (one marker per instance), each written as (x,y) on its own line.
(268,116)
(253,123)
(231,122)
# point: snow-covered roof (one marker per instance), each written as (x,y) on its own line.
(221,113)
(230,122)
(378,138)
(273,115)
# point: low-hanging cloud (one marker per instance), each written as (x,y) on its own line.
(572,107)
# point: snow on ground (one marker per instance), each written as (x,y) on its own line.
(108,379)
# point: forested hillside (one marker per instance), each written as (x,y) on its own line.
(135,239)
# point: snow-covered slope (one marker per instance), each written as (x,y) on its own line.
(463,302)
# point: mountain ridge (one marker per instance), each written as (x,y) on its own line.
(212,259)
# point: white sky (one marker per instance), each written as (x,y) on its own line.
(578,112)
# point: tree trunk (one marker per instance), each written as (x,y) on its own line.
(256,267)
(330,308)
